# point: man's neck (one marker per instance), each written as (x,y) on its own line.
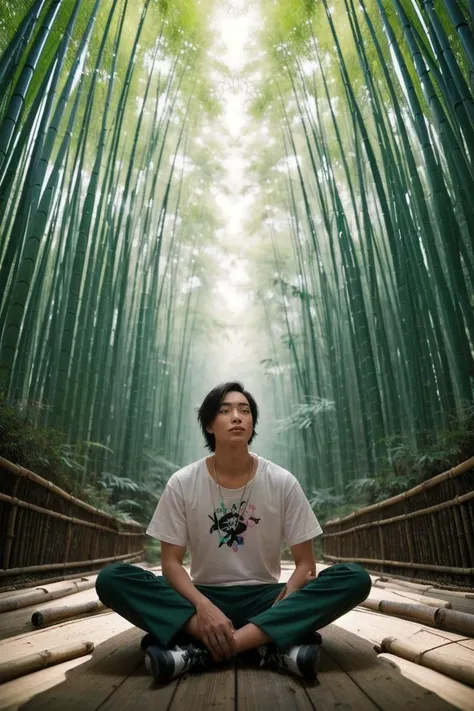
(235,462)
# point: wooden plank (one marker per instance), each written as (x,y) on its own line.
(214,689)
(90,685)
(455,693)
(259,689)
(17,692)
(384,686)
(336,690)
(138,692)
(97,628)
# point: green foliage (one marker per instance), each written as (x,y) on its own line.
(24,440)
(402,468)
(41,449)
(153,551)
(305,414)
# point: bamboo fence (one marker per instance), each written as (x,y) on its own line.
(46,531)
(425,533)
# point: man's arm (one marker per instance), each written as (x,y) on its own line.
(172,557)
(209,624)
(305,568)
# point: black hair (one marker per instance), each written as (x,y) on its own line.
(209,409)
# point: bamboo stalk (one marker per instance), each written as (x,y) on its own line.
(75,564)
(55,614)
(42,595)
(422,584)
(41,660)
(444,659)
(402,564)
(63,517)
(434,481)
(457,501)
(413,597)
(455,621)
(420,613)
(468,532)
(9,536)
(21,471)
(446,619)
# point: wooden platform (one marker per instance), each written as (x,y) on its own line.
(351,678)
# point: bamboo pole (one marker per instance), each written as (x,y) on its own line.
(445,659)
(9,535)
(46,658)
(42,595)
(420,613)
(58,579)
(413,597)
(422,584)
(442,617)
(455,621)
(429,483)
(63,517)
(457,501)
(402,564)
(22,472)
(75,564)
(54,614)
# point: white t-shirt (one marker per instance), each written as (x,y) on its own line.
(227,548)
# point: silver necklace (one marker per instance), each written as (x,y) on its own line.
(225,536)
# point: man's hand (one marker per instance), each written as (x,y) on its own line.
(215,630)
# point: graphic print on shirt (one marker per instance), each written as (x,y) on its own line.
(231,524)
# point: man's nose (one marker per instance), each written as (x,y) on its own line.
(236,416)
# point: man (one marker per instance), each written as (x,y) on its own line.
(232,509)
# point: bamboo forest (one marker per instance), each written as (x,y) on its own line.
(277,192)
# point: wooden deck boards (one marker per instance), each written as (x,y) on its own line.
(350,679)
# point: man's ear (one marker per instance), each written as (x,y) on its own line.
(209,429)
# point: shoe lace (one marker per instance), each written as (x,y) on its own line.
(270,655)
(195,655)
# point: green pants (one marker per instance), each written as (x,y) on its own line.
(150,603)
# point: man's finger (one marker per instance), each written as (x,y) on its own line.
(224,647)
(229,633)
(210,644)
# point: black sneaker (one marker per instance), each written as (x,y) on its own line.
(300,659)
(166,664)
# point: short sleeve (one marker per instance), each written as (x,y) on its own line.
(300,524)
(169,520)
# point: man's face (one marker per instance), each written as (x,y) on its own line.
(233,423)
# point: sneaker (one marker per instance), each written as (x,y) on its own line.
(166,664)
(300,659)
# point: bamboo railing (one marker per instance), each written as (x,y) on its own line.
(46,531)
(425,534)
